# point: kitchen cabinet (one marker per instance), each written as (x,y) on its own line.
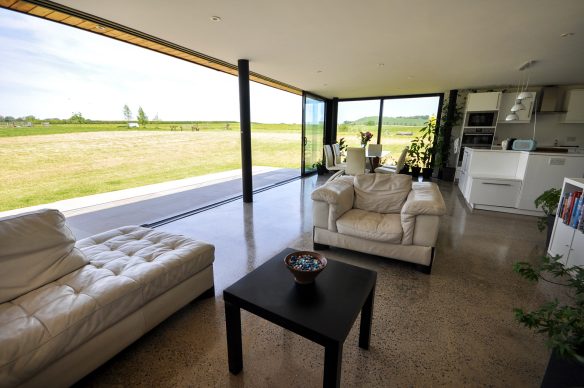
(575,106)
(567,241)
(477,102)
(510,181)
(494,191)
(508,100)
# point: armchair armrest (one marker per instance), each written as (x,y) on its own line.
(424,200)
(338,195)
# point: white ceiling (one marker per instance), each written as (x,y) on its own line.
(425,45)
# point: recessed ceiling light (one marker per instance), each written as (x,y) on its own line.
(99,28)
(216,18)
(566,34)
(381,64)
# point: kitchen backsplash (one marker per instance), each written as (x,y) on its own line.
(548,130)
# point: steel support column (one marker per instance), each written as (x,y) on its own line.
(245,127)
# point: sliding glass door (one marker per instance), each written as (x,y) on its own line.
(313,114)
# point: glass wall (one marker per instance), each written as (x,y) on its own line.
(355,117)
(314,115)
(402,120)
(276,135)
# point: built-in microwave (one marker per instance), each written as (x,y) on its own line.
(480,119)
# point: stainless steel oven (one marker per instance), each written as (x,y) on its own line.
(481,138)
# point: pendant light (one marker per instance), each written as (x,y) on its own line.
(522,94)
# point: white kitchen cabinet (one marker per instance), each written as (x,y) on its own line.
(477,102)
(575,106)
(567,241)
(494,192)
(508,100)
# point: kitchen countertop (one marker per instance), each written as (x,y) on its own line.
(536,152)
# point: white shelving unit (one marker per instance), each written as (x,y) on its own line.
(567,241)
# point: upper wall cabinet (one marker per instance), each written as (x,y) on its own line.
(575,106)
(477,102)
(508,100)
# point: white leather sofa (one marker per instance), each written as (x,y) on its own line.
(379,214)
(66,307)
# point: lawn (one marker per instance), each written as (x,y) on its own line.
(69,161)
(47,164)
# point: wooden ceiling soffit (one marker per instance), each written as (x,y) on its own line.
(65,15)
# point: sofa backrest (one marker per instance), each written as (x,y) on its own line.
(381,193)
(36,248)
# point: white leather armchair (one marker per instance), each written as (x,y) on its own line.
(379,214)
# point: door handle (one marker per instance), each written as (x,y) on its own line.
(305,140)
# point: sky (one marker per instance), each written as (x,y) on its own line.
(52,70)
(354,110)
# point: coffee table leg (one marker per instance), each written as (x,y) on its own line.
(333,360)
(233,326)
(366,318)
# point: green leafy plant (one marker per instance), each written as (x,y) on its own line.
(320,166)
(562,323)
(427,134)
(446,124)
(414,156)
(422,147)
(548,201)
(342,145)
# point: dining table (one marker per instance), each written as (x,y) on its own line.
(374,158)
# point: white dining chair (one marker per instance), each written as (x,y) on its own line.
(394,169)
(330,161)
(355,161)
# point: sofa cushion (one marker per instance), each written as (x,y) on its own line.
(128,267)
(371,225)
(381,193)
(36,248)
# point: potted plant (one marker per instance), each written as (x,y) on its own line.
(450,116)
(320,167)
(548,202)
(427,134)
(563,323)
(414,157)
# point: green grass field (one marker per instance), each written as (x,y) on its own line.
(47,164)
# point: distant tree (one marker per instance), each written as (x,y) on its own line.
(227,128)
(370,122)
(9,118)
(142,118)
(77,118)
(127,113)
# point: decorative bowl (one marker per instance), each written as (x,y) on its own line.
(305,265)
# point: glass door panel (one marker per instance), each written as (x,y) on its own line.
(402,120)
(312,132)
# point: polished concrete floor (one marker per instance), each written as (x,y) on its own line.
(454,327)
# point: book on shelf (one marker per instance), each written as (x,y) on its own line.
(571,209)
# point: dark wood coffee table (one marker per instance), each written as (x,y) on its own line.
(323,312)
